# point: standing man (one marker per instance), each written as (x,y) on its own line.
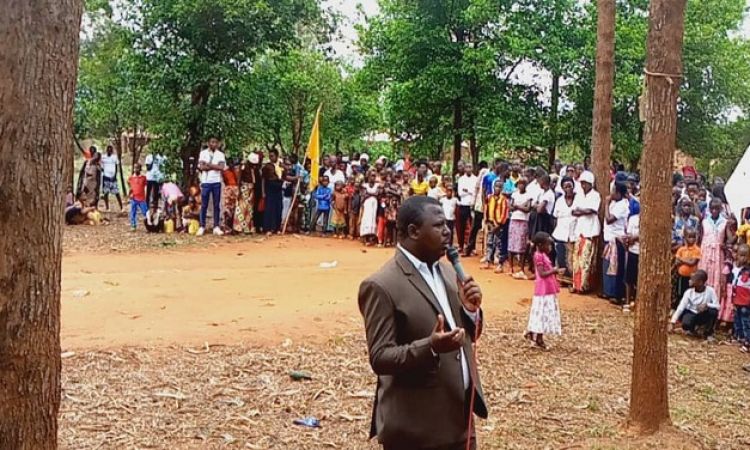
(467,189)
(211,164)
(110,161)
(420,322)
(154,177)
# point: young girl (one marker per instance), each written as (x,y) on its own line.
(544,317)
(713,236)
(520,207)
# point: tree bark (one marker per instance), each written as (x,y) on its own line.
(601,137)
(553,121)
(39,50)
(192,146)
(649,394)
(457,137)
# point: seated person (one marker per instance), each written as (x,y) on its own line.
(79,213)
(699,307)
(190,215)
(154,220)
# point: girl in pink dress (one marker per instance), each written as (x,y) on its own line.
(544,317)
(713,234)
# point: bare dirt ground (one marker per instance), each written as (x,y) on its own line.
(171,342)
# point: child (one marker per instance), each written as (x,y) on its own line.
(699,307)
(544,317)
(354,190)
(497,218)
(340,206)
(686,262)
(435,191)
(632,242)
(520,207)
(323,201)
(190,216)
(137,183)
(738,293)
(449,204)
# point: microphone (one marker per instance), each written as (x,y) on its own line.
(452,255)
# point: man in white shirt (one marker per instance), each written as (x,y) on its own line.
(699,307)
(586,210)
(211,163)
(154,178)
(420,323)
(109,163)
(467,189)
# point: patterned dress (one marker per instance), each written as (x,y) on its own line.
(544,317)
(712,261)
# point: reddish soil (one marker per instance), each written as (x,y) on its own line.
(258,291)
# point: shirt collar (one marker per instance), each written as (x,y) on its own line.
(416,262)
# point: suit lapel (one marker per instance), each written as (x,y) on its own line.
(417,281)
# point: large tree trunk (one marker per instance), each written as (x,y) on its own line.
(457,137)
(649,396)
(553,121)
(601,134)
(601,137)
(39,50)
(192,146)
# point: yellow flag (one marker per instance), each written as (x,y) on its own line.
(313,151)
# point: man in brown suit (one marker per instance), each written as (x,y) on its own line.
(420,323)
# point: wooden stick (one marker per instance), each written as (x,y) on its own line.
(293,205)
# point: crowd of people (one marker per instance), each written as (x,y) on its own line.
(496,212)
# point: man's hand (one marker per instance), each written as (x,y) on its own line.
(702,308)
(442,342)
(470,294)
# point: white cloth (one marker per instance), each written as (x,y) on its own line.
(634,229)
(368,224)
(211,157)
(544,316)
(620,211)
(156,162)
(549,197)
(434,279)
(109,165)
(333,178)
(691,300)
(435,193)
(467,188)
(565,230)
(588,226)
(520,199)
(535,190)
(449,207)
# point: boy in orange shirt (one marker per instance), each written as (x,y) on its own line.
(497,210)
(686,261)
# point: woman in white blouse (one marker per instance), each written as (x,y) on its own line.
(616,219)
(564,233)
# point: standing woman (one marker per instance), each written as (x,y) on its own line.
(231,194)
(613,266)
(273,175)
(564,234)
(586,210)
(368,225)
(243,215)
(259,192)
(91,178)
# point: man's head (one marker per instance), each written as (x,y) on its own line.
(468,169)
(213,143)
(422,228)
(137,168)
(110,149)
(273,155)
(557,166)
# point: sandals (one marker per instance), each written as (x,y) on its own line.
(520,276)
(499,269)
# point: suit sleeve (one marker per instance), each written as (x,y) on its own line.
(386,356)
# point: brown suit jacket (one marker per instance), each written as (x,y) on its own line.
(420,399)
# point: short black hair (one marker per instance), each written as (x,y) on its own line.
(701,275)
(413,212)
(483,164)
(621,188)
(567,179)
(540,237)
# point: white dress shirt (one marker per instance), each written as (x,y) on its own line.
(620,210)
(467,187)
(565,230)
(588,226)
(211,157)
(434,279)
(692,300)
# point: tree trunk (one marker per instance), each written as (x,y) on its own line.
(457,138)
(649,395)
(601,134)
(601,138)
(553,121)
(192,146)
(39,50)
(474,149)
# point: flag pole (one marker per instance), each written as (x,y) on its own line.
(293,206)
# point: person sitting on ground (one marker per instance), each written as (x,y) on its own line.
(191,215)
(154,221)
(699,307)
(79,213)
